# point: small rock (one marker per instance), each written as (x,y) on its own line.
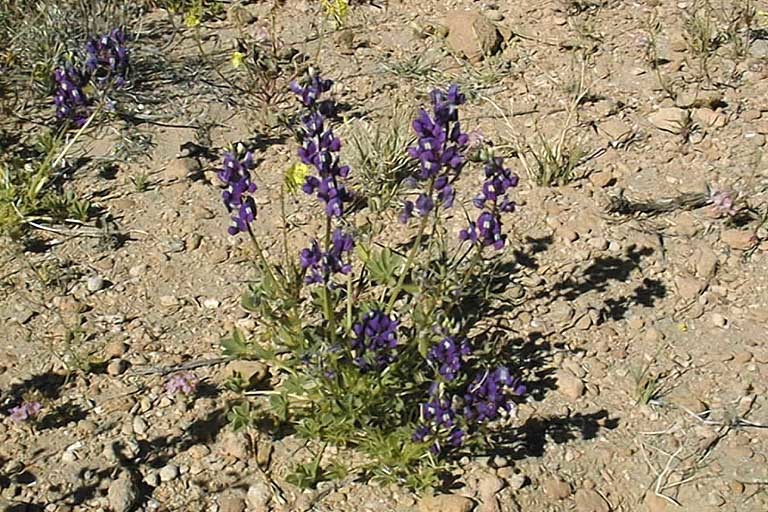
(139,426)
(654,503)
(759,48)
(152,479)
(252,373)
(235,445)
(557,489)
(598,243)
(472,35)
(169,301)
(516,481)
(588,500)
(584,322)
(117,367)
(138,270)
(169,472)
(95,283)
(239,15)
(669,119)
(708,118)
(176,245)
(258,497)
(719,320)
(489,504)
(211,303)
(738,239)
(489,485)
(122,494)
(569,385)
(231,503)
(601,179)
(199,451)
(182,168)
(446,503)
(688,287)
(115,349)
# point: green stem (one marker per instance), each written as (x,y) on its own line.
(262,259)
(408,263)
(329,307)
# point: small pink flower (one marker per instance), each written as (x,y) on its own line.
(25,411)
(722,202)
(184,382)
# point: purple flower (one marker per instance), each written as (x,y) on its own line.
(107,58)
(488,396)
(70,100)
(447,356)
(184,382)
(439,149)
(375,341)
(486,231)
(320,148)
(439,426)
(493,200)
(235,174)
(312,89)
(25,411)
(322,266)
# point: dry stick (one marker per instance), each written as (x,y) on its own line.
(155,370)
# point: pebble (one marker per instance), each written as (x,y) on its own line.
(235,445)
(95,283)
(117,367)
(588,500)
(182,168)
(231,503)
(177,245)
(489,485)
(258,497)
(516,481)
(556,488)
(139,426)
(252,372)
(115,349)
(152,479)
(738,239)
(169,301)
(122,494)
(599,243)
(719,320)
(211,303)
(446,503)
(169,472)
(138,270)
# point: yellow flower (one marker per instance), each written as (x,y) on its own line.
(192,18)
(336,8)
(237,59)
(295,176)
(761,20)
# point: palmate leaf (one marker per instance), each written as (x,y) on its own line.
(384,266)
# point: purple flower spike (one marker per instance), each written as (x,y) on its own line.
(320,148)
(70,100)
(440,148)
(493,200)
(235,174)
(375,341)
(107,58)
(26,411)
(447,357)
(439,426)
(322,266)
(488,396)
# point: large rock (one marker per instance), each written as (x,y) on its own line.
(472,35)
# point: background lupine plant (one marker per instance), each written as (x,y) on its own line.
(105,65)
(373,347)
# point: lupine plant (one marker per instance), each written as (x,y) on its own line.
(105,66)
(372,345)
